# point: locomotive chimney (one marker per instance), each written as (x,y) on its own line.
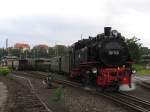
(107,31)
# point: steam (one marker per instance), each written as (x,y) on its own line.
(126,87)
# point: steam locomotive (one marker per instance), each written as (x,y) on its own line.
(103,61)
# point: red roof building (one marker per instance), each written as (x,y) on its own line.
(22,46)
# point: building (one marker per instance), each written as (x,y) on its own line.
(10,61)
(41,46)
(22,46)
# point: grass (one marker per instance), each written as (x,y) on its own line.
(4,71)
(141,70)
(58,93)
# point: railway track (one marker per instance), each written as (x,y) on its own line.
(29,99)
(143,83)
(132,102)
(137,104)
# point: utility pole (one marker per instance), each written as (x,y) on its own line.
(56,49)
(7,47)
(26,54)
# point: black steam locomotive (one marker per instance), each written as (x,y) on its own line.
(103,60)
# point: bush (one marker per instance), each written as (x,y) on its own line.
(138,67)
(4,71)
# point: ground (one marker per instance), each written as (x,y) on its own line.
(140,91)
(3,96)
(68,99)
(74,100)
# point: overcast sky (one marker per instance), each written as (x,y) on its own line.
(63,21)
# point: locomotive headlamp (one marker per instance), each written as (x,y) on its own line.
(94,70)
(133,71)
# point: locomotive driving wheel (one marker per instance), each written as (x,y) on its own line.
(115,87)
(86,80)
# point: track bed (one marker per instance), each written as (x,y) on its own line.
(74,99)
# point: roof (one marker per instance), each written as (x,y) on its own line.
(41,46)
(22,45)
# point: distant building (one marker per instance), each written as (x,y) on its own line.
(10,61)
(41,47)
(22,46)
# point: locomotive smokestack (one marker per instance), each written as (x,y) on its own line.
(107,31)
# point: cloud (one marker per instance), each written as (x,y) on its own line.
(35,30)
(63,21)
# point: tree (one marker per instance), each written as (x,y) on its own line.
(134,48)
(145,51)
(51,52)
(14,52)
(145,55)
(40,51)
(60,50)
(2,52)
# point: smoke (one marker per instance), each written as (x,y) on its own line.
(126,87)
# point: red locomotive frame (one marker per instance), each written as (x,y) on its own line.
(105,77)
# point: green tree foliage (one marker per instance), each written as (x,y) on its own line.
(36,52)
(135,48)
(39,52)
(145,51)
(145,55)
(18,52)
(42,52)
(2,52)
(14,52)
(60,50)
(51,52)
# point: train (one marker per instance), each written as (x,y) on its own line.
(103,61)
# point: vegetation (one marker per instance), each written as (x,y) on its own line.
(2,52)
(141,69)
(134,47)
(4,71)
(139,54)
(43,51)
(36,52)
(58,93)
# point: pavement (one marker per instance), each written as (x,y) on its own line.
(3,96)
(143,78)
